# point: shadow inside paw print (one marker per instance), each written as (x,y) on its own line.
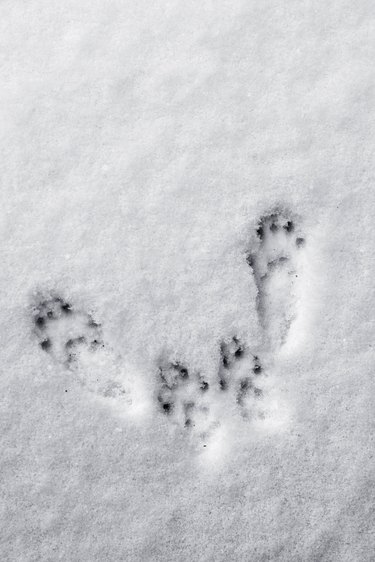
(278,221)
(181,394)
(240,374)
(63,331)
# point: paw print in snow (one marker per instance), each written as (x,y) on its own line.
(74,339)
(181,396)
(240,375)
(62,331)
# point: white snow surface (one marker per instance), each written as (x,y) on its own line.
(142,143)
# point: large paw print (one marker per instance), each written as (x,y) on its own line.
(63,331)
(74,339)
(275,261)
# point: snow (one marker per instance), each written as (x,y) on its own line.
(143,144)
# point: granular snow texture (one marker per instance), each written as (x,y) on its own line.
(186,286)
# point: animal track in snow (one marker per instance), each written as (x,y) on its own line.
(240,385)
(182,397)
(241,374)
(62,331)
(74,339)
(190,402)
(274,264)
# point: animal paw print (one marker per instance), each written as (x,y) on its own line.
(74,339)
(275,263)
(240,374)
(63,331)
(181,397)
